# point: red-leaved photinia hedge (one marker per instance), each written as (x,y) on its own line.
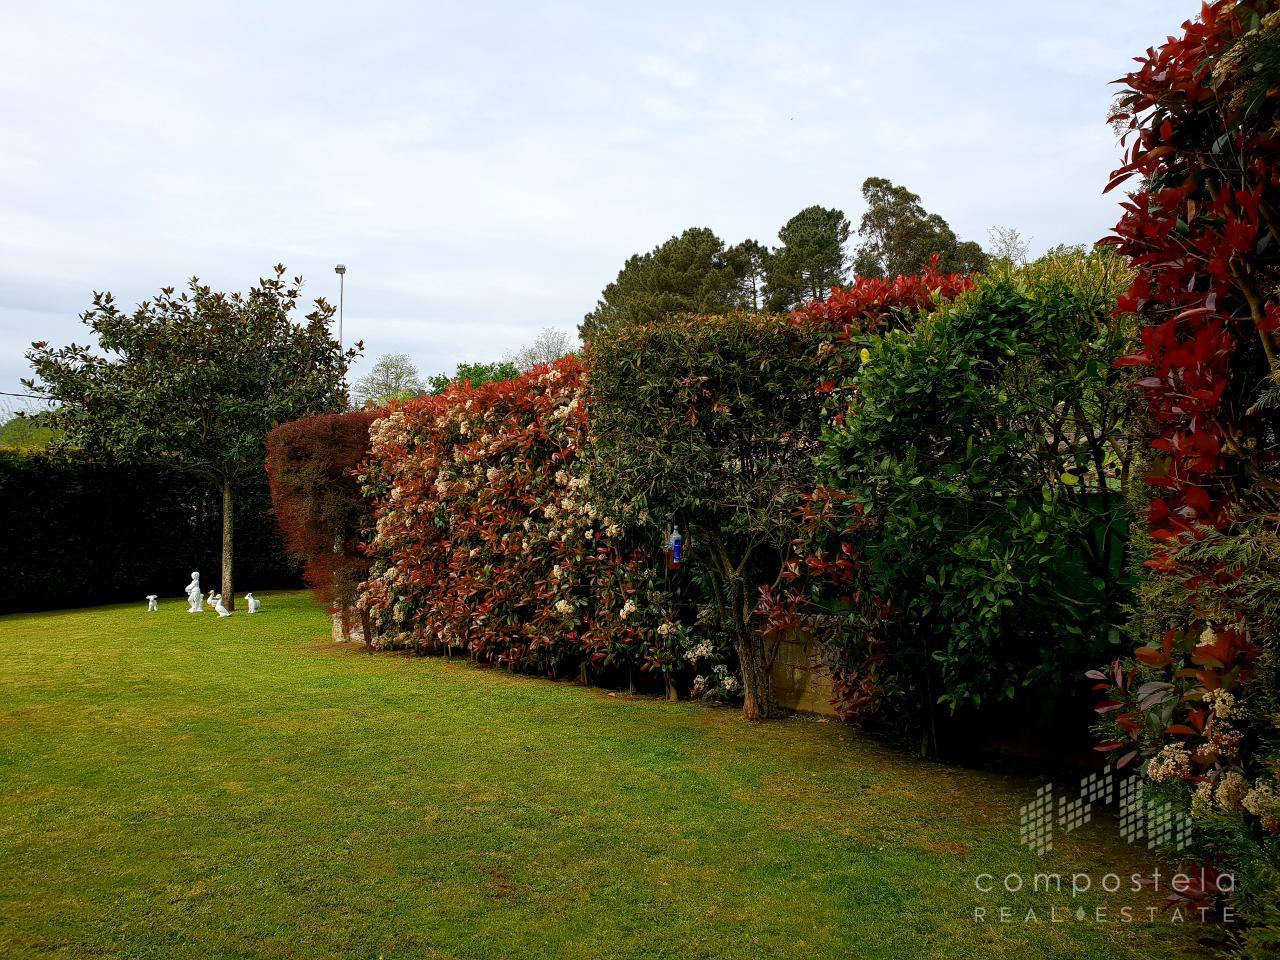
(487,539)
(1196,707)
(875,304)
(490,539)
(1202,233)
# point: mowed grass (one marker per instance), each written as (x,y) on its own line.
(184,786)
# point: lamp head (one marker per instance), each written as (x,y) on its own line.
(340,268)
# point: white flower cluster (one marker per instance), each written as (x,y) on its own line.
(1202,799)
(571,512)
(1263,801)
(564,412)
(1173,762)
(719,680)
(1232,789)
(1222,703)
(702,650)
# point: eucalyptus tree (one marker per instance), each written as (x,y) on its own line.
(899,237)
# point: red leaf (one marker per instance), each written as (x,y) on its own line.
(1152,656)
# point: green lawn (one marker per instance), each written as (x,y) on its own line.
(181,786)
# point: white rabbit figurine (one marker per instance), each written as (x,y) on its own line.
(254,603)
(151,602)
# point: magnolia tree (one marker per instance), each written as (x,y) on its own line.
(709,422)
(323,516)
(194,381)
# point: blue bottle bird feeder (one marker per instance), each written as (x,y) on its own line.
(675,547)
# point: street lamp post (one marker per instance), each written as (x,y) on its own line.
(341,271)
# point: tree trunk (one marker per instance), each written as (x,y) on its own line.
(228,545)
(341,610)
(673,692)
(366,627)
(734,599)
(757,686)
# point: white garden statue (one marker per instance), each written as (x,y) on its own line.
(209,600)
(151,602)
(253,603)
(217,605)
(195,596)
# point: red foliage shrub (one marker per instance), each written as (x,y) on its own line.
(1202,234)
(873,304)
(1193,232)
(311,464)
(1195,705)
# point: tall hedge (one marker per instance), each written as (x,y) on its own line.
(488,540)
(972,483)
(77,533)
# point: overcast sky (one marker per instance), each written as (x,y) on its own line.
(484,169)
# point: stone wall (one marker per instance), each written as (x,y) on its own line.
(800,681)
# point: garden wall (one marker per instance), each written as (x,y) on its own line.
(801,681)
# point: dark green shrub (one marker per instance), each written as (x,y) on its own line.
(985,452)
(710,423)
